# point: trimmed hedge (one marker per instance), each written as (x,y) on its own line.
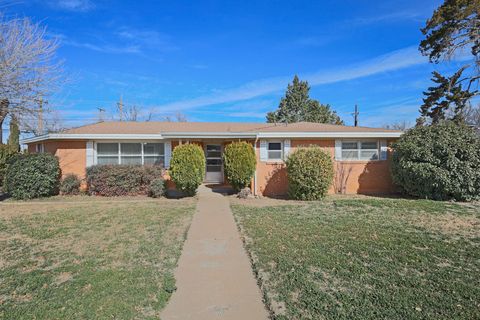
(239,164)
(121,180)
(70,184)
(6,153)
(187,167)
(32,175)
(440,162)
(309,173)
(157,188)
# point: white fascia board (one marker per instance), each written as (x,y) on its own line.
(365,134)
(66,136)
(208,135)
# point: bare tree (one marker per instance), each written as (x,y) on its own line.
(178,117)
(399,125)
(472,116)
(29,70)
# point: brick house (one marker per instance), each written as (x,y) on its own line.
(361,155)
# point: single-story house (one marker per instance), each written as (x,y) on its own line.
(361,155)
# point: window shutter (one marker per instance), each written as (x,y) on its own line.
(90,154)
(263,150)
(286,148)
(383,150)
(338,149)
(168,153)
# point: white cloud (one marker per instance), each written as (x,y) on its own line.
(395,60)
(72,5)
(104,48)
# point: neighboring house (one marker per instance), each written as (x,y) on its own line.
(360,154)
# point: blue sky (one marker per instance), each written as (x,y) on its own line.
(232,60)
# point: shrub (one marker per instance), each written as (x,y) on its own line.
(157,188)
(121,180)
(6,153)
(187,167)
(239,164)
(70,184)
(440,162)
(32,176)
(309,173)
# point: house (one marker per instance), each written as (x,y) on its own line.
(361,155)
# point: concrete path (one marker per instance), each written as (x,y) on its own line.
(214,275)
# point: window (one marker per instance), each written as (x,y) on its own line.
(275,151)
(360,150)
(39,148)
(131,153)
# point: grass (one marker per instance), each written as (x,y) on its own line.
(366,258)
(91,258)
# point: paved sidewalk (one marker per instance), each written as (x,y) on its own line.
(214,275)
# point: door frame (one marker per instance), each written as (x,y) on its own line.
(221,180)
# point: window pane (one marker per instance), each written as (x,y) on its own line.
(275,155)
(130,148)
(214,168)
(214,147)
(369,145)
(153,149)
(349,145)
(369,155)
(349,154)
(107,148)
(274,146)
(153,160)
(217,162)
(107,160)
(132,160)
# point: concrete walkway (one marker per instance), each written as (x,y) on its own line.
(214,275)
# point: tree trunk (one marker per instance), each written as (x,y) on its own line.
(4,103)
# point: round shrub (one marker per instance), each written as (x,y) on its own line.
(32,176)
(187,167)
(157,188)
(440,162)
(6,153)
(239,164)
(121,180)
(309,173)
(70,184)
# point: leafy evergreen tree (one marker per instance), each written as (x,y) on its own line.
(297,106)
(14,137)
(446,100)
(454,27)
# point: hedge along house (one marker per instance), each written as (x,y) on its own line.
(361,155)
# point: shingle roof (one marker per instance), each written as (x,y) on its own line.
(125,127)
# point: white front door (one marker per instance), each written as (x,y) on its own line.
(214,170)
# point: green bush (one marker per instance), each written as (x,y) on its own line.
(309,173)
(121,180)
(6,153)
(187,167)
(440,162)
(32,175)
(70,184)
(239,164)
(157,188)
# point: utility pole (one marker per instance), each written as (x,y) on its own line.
(40,116)
(355,116)
(120,108)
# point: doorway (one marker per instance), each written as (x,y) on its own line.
(214,169)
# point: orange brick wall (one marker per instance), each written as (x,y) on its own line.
(351,177)
(71,154)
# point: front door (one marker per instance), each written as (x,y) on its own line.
(214,170)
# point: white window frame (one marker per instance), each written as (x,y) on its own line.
(359,150)
(119,153)
(281,151)
(39,148)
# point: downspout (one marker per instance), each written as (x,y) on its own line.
(255,175)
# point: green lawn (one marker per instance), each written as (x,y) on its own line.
(366,258)
(91,258)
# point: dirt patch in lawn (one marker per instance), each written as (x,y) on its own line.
(449,223)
